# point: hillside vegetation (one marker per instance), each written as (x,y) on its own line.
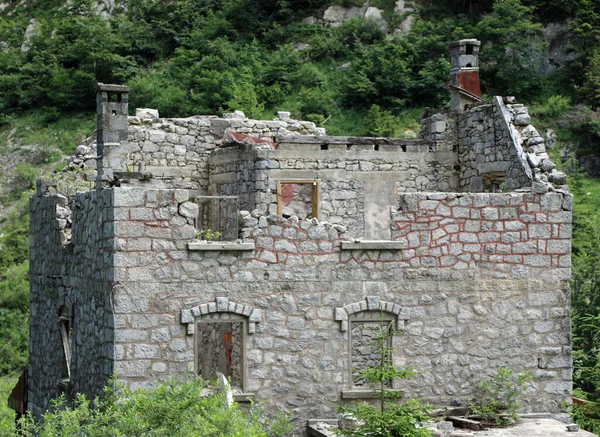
(187,57)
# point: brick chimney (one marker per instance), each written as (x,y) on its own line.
(464,73)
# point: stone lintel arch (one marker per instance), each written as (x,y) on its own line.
(371,303)
(221,305)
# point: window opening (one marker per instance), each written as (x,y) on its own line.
(298,198)
(493,182)
(220,350)
(65,334)
(469,49)
(218,214)
(365,349)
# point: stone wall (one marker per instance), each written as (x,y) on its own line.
(494,140)
(486,146)
(295,281)
(440,129)
(176,150)
(504,235)
(473,281)
(48,294)
(75,276)
(357,185)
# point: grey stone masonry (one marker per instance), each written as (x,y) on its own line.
(460,319)
(494,138)
(77,277)
(176,151)
(356,181)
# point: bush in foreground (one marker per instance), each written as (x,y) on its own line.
(174,408)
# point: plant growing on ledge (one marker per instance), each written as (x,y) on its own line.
(391,417)
(497,398)
(208,235)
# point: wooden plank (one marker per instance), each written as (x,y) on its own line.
(300,139)
(315,198)
(18,397)
(279,205)
(463,422)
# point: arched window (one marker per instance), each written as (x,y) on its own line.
(220,329)
(371,324)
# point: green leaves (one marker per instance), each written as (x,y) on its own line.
(497,397)
(14,294)
(511,48)
(591,78)
(392,417)
(174,408)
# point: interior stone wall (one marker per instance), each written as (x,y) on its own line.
(357,187)
(176,150)
(219,349)
(490,138)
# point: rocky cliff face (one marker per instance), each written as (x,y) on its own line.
(335,15)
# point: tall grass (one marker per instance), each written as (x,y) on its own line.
(7,416)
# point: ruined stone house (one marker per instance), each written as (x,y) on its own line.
(460,237)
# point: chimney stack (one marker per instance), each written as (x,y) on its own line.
(464,73)
(112,105)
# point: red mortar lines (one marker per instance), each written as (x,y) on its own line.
(494,231)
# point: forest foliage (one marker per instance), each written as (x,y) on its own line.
(208,57)
(190,57)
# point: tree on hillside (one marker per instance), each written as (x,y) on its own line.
(511,46)
(585,31)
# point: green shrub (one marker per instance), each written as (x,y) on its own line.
(24,177)
(315,101)
(555,106)
(7,415)
(392,417)
(14,333)
(587,416)
(511,43)
(14,289)
(174,408)
(497,398)
(381,123)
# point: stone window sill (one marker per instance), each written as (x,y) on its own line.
(373,245)
(244,397)
(366,394)
(221,245)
